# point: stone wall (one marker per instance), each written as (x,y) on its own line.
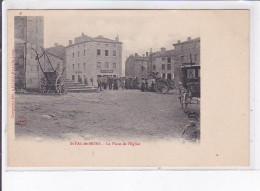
(28,34)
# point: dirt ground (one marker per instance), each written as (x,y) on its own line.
(107,115)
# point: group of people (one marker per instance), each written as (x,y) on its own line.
(131,83)
(107,82)
(145,87)
(114,83)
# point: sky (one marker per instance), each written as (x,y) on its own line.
(138,30)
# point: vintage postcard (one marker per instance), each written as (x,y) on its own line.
(128,88)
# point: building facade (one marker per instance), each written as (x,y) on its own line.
(186,52)
(28,34)
(163,63)
(87,58)
(160,61)
(137,66)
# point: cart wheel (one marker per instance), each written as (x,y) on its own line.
(61,86)
(44,87)
(162,86)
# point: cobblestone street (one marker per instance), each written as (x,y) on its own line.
(108,115)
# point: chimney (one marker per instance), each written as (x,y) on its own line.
(189,38)
(143,55)
(117,38)
(56,44)
(82,34)
(146,54)
(136,54)
(179,41)
(163,49)
(151,50)
(70,42)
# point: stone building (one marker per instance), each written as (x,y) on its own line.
(163,63)
(87,58)
(160,61)
(28,34)
(137,66)
(186,52)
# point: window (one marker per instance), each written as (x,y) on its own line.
(84,52)
(98,52)
(84,65)
(73,55)
(163,75)
(73,66)
(78,66)
(114,65)
(98,64)
(168,66)
(168,60)
(195,57)
(182,58)
(142,68)
(163,59)
(114,52)
(169,76)
(163,66)
(154,67)
(107,64)
(73,77)
(106,44)
(106,52)
(78,53)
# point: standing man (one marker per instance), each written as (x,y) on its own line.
(105,82)
(91,79)
(146,84)
(110,83)
(99,83)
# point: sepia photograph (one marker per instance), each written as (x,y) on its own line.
(101,78)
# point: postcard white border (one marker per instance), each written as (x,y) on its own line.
(254,59)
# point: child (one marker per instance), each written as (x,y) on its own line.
(192,130)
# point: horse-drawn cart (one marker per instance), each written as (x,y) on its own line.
(189,90)
(51,80)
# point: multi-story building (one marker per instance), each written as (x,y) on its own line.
(186,52)
(163,63)
(28,34)
(137,66)
(160,61)
(87,58)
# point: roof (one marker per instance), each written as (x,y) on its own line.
(140,58)
(57,51)
(102,39)
(187,42)
(167,53)
(99,38)
(49,53)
